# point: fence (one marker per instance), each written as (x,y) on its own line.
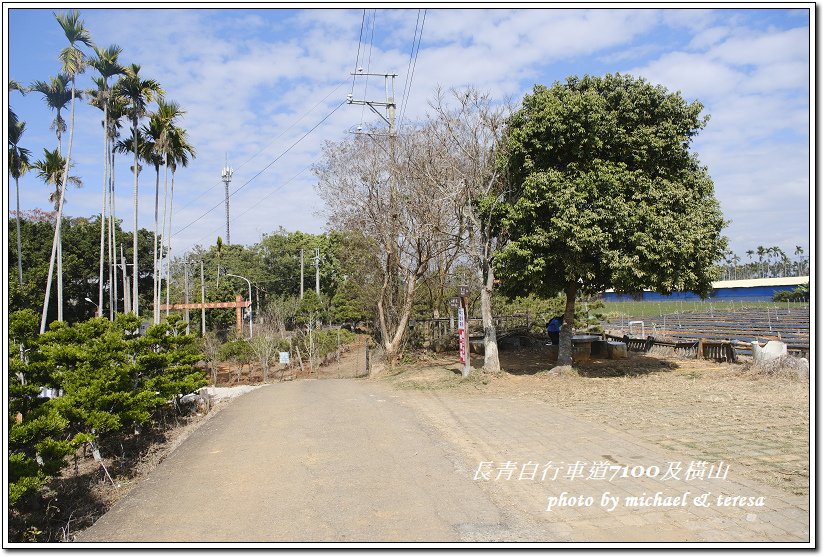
(739,328)
(431,332)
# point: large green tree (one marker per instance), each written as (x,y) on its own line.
(81,236)
(607,194)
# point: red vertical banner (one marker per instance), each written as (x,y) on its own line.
(462,334)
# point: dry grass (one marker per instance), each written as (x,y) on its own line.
(702,410)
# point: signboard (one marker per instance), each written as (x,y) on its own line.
(284,358)
(463,290)
(462,334)
(455,302)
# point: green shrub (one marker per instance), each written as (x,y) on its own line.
(800,294)
(110,380)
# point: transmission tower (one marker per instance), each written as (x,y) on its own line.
(226,176)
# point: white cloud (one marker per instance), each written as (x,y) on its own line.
(245,77)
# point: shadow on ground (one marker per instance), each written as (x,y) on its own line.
(535,359)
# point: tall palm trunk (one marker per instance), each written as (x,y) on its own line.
(156,289)
(169,243)
(164,239)
(135,303)
(58,228)
(103,212)
(56,242)
(112,239)
(19,244)
(112,266)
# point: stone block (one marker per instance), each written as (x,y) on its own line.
(600,349)
(581,353)
(616,350)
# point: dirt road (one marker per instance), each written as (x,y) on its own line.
(359,461)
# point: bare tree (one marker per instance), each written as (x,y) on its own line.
(210,346)
(376,186)
(470,128)
(265,345)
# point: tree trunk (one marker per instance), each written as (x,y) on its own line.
(492,363)
(112,249)
(392,347)
(135,302)
(103,216)
(155,288)
(169,243)
(19,244)
(112,235)
(56,252)
(60,271)
(565,338)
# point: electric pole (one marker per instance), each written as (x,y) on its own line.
(389,88)
(226,176)
(202,302)
(301,273)
(127,302)
(317,271)
(186,293)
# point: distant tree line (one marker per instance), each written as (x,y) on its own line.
(764,262)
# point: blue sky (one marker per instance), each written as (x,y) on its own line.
(253,82)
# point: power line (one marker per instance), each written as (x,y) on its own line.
(369,61)
(409,65)
(415,63)
(292,125)
(360,40)
(259,201)
(264,168)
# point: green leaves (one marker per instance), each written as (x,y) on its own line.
(109,379)
(607,193)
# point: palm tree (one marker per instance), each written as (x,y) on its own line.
(14,86)
(780,257)
(50,169)
(73,61)
(106,64)
(57,94)
(154,146)
(761,251)
(138,93)
(18,165)
(799,252)
(117,110)
(180,151)
(160,126)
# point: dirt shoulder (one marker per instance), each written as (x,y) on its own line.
(757,424)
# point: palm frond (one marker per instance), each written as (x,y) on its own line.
(74,29)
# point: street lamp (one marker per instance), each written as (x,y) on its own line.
(250,299)
(96,307)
